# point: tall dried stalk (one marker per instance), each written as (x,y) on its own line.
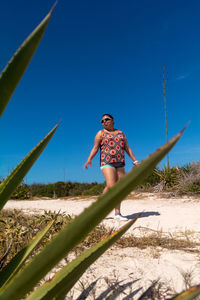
(165,106)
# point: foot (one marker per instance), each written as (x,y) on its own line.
(120,217)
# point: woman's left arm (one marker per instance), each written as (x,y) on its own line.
(130,152)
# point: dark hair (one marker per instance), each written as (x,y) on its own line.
(108,116)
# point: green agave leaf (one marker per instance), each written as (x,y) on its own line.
(17,175)
(76,231)
(15,69)
(191,293)
(4,258)
(19,259)
(68,276)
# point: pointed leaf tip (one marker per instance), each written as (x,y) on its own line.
(14,70)
(182,130)
(53,7)
(127,225)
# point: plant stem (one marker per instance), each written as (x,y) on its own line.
(164,80)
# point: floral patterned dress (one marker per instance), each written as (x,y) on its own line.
(112,149)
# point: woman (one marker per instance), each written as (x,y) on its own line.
(112,143)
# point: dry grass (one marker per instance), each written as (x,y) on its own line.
(157,240)
(21,229)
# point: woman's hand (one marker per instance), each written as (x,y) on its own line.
(94,150)
(88,162)
(135,163)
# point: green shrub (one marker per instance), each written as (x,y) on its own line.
(194,187)
(96,190)
(22,192)
(77,188)
(60,189)
(168,176)
(151,181)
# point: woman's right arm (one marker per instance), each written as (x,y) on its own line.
(94,150)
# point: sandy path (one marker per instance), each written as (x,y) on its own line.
(135,268)
(167,214)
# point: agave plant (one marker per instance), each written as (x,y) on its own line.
(18,277)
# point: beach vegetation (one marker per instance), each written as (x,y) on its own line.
(175,180)
(21,228)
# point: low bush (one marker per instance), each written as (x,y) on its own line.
(189,179)
(22,192)
(180,180)
(95,190)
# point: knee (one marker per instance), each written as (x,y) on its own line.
(107,188)
(109,185)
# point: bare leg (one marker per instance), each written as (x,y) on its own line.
(111,176)
(120,174)
(105,190)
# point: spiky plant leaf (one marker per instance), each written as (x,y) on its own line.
(19,259)
(76,231)
(190,294)
(4,258)
(16,176)
(65,279)
(16,67)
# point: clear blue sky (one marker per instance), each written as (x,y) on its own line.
(101,57)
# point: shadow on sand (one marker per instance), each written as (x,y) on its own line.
(112,292)
(143,214)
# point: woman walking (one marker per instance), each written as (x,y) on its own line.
(112,144)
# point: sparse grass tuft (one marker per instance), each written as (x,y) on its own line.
(189,181)
(158,240)
(187,278)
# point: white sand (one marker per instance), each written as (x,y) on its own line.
(136,268)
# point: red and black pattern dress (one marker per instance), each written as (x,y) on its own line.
(112,149)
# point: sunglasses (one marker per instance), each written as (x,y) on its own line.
(105,120)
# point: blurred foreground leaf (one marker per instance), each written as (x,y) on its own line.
(16,67)
(16,176)
(19,259)
(191,293)
(65,279)
(76,231)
